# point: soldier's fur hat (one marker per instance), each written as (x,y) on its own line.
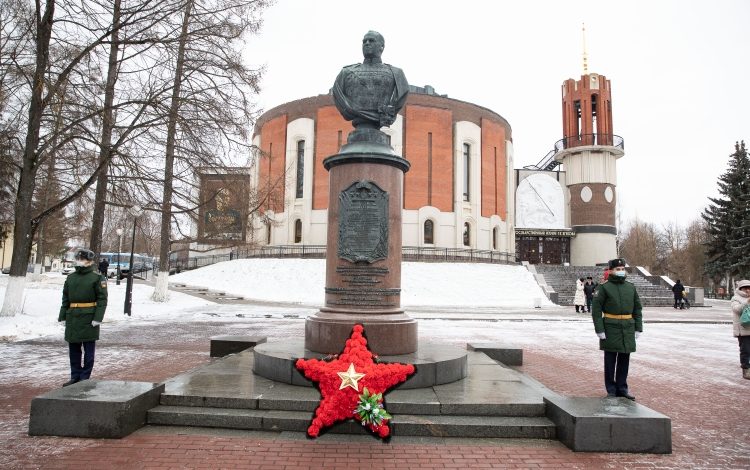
(616,263)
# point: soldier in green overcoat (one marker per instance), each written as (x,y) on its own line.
(84,301)
(618,322)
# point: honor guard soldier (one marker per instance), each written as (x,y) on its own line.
(84,301)
(618,322)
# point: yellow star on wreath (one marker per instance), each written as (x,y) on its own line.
(350,378)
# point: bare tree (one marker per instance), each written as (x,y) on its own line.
(695,253)
(105,148)
(211,108)
(639,245)
(56,98)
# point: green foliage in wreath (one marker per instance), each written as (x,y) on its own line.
(370,408)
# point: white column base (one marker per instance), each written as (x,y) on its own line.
(161,290)
(589,249)
(13,301)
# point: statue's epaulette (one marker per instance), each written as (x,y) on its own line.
(350,66)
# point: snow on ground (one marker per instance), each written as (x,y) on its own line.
(422,284)
(42,305)
(300,281)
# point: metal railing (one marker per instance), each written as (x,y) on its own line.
(409,253)
(548,162)
(434,254)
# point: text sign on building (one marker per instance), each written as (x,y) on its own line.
(522,232)
(363,223)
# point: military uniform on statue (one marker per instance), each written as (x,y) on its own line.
(618,322)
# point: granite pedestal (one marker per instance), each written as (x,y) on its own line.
(492,401)
(93,408)
(609,425)
(363,256)
(501,353)
(435,364)
(228,344)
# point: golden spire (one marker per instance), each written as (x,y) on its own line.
(585,55)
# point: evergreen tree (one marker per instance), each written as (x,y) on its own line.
(728,219)
(739,241)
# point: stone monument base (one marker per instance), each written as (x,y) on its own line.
(93,408)
(609,425)
(387,333)
(436,364)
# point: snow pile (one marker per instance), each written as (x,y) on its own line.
(422,284)
(42,299)
(296,281)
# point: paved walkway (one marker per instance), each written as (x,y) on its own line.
(688,371)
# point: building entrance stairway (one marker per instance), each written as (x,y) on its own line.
(563,280)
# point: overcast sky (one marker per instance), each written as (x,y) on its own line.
(679,70)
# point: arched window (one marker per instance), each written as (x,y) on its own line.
(495,236)
(429,232)
(467,171)
(298,231)
(300,168)
(467,234)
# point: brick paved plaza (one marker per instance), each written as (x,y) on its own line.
(699,386)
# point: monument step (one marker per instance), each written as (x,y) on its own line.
(536,427)
(397,402)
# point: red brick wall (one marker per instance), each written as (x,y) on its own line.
(423,114)
(581,91)
(493,171)
(422,187)
(595,212)
(328,124)
(271,175)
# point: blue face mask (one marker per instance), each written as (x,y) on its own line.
(620,273)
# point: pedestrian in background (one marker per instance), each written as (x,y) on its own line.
(579,299)
(588,290)
(618,322)
(677,290)
(84,301)
(103,266)
(742,333)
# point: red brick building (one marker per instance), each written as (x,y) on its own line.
(458,192)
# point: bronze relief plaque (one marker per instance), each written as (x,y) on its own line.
(363,223)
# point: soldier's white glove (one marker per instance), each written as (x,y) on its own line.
(601,335)
(638,334)
(60,321)
(96,323)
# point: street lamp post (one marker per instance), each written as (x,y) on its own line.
(135,211)
(119,249)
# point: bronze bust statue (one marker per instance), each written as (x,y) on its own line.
(370,94)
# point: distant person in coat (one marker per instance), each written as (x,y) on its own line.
(742,333)
(84,301)
(588,290)
(579,299)
(618,323)
(677,290)
(103,266)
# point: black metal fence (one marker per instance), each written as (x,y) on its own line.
(420,253)
(409,253)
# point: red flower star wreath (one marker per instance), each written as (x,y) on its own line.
(352,386)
